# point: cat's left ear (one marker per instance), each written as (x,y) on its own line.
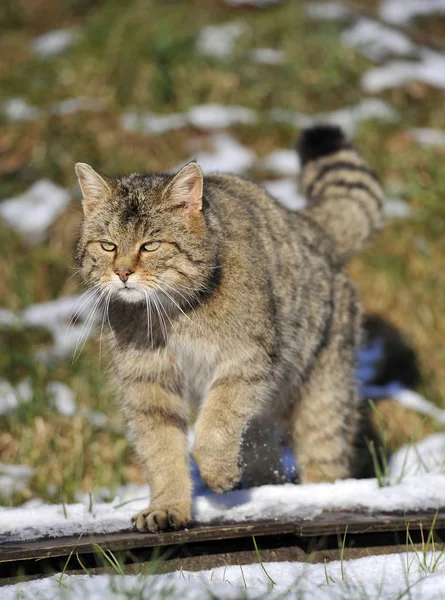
(184,191)
(95,188)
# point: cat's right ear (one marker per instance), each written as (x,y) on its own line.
(95,189)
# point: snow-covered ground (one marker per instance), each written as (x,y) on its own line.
(267,56)
(219,41)
(211,117)
(54,42)
(411,575)
(70,320)
(401,12)
(35,210)
(416,481)
(14,478)
(430,69)
(19,109)
(377,42)
(428,137)
(227,151)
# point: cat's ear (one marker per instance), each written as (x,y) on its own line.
(184,191)
(95,188)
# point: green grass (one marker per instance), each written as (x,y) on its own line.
(142,54)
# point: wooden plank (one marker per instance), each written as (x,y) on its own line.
(128,540)
(335,523)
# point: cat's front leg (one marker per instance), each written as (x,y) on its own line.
(158,423)
(231,402)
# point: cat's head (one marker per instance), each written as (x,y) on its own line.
(143,234)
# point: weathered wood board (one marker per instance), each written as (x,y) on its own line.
(209,546)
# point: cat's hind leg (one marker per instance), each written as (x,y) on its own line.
(326,417)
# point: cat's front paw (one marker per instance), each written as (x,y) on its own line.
(157,520)
(218,472)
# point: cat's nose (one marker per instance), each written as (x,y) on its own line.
(124,274)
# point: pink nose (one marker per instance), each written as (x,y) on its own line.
(124,274)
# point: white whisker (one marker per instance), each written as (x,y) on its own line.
(166,314)
(107,310)
(103,322)
(76,272)
(178,292)
(175,303)
(82,301)
(86,328)
(160,317)
(149,320)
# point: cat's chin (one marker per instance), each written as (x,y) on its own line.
(130,295)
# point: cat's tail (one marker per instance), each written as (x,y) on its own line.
(343,194)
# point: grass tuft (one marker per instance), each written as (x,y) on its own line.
(261,562)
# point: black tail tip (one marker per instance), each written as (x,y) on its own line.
(320,140)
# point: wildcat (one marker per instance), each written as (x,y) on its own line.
(218,295)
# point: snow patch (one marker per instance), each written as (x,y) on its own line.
(427,456)
(347,118)
(282,162)
(216,116)
(70,320)
(376,41)
(33,212)
(12,396)
(18,109)
(396,208)
(228,156)
(219,40)
(62,398)
(414,401)
(152,123)
(95,417)
(401,12)
(54,42)
(70,106)
(8,318)
(430,69)
(286,192)
(56,315)
(326,11)
(203,116)
(428,137)
(13,479)
(267,56)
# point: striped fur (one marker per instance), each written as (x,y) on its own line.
(344,195)
(239,311)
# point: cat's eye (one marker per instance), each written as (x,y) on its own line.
(150,246)
(108,246)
